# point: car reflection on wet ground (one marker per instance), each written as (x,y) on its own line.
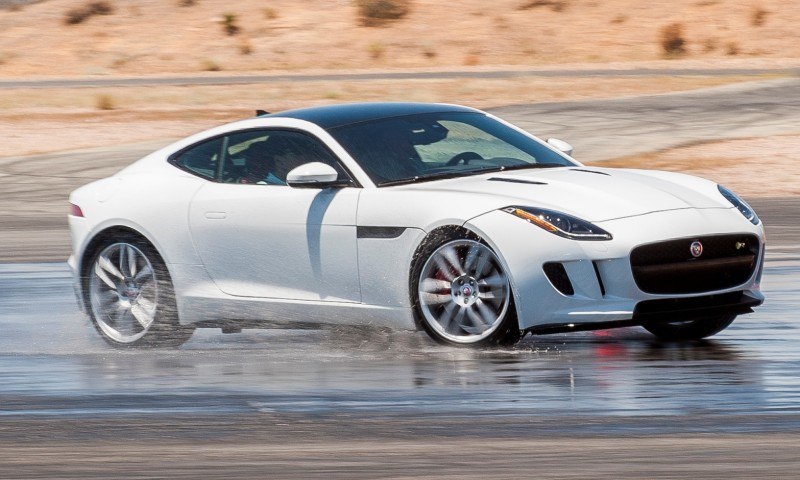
(52,363)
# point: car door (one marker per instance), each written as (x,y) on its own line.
(258,237)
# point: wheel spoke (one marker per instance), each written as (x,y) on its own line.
(494,282)
(435,298)
(472,255)
(107,298)
(488,316)
(458,319)
(119,316)
(131,255)
(147,305)
(123,264)
(101,274)
(446,317)
(483,260)
(141,316)
(451,255)
(490,295)
(144,275)
(109,267)
(479,325)
(443,267)
(432,285)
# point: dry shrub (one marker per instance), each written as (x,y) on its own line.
(270,13)
(186,3)
(555,5)
(471,59)
(619,19)
(672,41)
(245,47)
(758,16)
(732,48)
(376,50)
(81,14)
(209,65)
(105,102)
(373,13)
(229,25)
(709,45)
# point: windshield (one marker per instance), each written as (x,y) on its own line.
(440,145)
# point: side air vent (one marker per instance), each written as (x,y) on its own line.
(557,275)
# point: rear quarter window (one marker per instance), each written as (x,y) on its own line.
(201,159)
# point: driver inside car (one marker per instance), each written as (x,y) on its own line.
(268,162)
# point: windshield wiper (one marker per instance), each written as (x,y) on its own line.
(425,178)
(466,173)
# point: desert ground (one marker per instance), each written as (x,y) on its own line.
(140,37)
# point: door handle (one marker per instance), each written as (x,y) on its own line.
(216,215)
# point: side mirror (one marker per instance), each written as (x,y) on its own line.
(314,175)
(560,145)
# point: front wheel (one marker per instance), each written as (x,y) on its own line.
(690,329)
(130,296)
(463,295)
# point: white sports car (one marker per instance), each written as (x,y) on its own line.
(412,216)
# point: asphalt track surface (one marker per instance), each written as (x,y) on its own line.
(375,404)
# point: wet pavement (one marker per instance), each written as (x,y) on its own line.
(52,363)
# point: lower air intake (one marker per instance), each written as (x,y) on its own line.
(557,275)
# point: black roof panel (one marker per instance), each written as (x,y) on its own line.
(332,116)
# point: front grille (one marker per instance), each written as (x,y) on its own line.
(669,267)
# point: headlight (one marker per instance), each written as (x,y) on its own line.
(560,224)
(740,204)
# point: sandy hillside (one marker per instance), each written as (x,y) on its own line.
(161,36)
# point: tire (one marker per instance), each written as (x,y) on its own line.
(690,330)
(461,294)
(129,295)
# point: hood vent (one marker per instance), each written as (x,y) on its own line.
(515,180)
(589,171)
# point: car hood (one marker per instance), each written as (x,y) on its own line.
(594,194)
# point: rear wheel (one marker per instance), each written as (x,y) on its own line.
(130,296)
(690,329)
(462,294)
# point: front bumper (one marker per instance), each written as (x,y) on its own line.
(605,292)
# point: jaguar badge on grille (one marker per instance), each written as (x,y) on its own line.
(696,249)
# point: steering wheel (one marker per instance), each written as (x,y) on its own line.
(463,157)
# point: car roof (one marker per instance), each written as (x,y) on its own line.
(333,116)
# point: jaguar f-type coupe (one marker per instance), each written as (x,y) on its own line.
(434,217)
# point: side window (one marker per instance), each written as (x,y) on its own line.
(265,157)
(237,151)
(202,160)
